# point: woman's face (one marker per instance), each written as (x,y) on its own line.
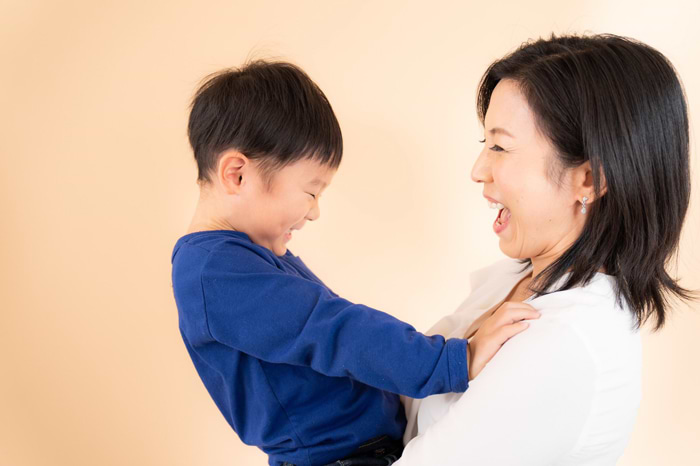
(538,209)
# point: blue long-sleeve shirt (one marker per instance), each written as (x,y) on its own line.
(296,370)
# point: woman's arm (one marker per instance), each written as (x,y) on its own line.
(528,407)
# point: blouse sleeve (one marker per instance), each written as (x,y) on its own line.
(527,407)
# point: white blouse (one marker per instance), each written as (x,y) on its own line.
(563,392)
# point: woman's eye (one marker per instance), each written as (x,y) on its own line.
(494,148)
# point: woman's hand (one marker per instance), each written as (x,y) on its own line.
(504,323)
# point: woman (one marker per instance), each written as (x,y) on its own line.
(586,159)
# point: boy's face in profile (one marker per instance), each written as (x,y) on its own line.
(291,199)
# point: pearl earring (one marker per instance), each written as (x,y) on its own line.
(583,204)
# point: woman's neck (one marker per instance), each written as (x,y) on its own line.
(540,263)
(521,290)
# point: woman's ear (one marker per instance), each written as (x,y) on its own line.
(583,183)
(232,169)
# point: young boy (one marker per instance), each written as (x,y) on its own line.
(298,371)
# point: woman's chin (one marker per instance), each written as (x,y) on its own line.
(510,251)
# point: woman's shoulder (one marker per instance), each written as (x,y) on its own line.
(599,320)
(582,345)
(596,302)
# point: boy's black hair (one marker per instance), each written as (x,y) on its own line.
(271,112)
(618,104)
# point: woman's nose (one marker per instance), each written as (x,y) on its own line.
(481,171)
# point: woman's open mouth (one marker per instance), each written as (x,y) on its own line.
(501,222)
(503,217)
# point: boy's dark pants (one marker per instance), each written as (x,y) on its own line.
(380,451)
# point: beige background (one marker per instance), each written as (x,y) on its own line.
(98,182)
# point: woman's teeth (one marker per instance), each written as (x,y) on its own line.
(503,216)
(495,205)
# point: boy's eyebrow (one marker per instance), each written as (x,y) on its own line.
(318,182)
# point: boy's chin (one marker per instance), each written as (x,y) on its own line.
(279,249)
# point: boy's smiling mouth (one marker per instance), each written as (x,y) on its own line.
(288,233)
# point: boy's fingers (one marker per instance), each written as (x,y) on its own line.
(513,315)
(511,305)
(506,332)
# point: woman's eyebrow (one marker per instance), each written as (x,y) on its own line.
(501,131)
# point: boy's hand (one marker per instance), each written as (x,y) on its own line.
(504,323)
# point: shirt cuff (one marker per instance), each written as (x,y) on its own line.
(457,363)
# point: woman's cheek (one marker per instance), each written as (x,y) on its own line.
(527,231)
(521,237)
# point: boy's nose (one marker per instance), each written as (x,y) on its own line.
(314,213)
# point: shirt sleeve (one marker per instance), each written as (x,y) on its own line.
(528,406)
(283,318)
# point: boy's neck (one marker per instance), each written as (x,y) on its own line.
(208,215)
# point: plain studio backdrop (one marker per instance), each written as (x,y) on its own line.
(98,182)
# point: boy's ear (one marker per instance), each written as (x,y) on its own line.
(233,166)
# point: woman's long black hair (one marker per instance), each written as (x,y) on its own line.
(618,104)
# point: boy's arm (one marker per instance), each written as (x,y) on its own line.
(283,318)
